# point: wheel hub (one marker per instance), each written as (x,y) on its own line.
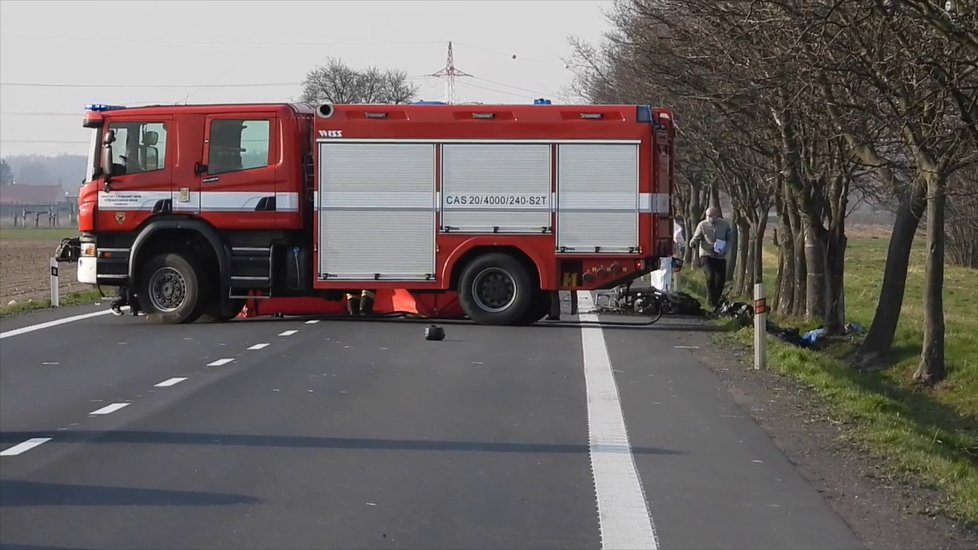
(167,289)
(494,290)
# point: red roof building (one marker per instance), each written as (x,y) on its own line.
(31,195)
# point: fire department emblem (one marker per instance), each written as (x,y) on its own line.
(120,218)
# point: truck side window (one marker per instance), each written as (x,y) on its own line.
(139,147)
(237,145)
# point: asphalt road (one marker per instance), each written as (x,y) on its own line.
(343,434)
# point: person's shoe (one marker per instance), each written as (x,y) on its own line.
(116,308)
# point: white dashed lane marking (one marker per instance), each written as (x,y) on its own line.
(109,409)
(257,347)
(312,322)
(219,362)
(288,333)
(170,382)
(24,446)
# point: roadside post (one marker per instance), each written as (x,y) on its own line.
(760,328)
(55,289)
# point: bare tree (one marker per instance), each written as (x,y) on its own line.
(795,105)
(336,82)
(6,174)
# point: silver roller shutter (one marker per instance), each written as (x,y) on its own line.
(597,198)
(497,187)
(376,211)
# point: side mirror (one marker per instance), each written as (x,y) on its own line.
(107,164)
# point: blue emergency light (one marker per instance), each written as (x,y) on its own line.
(101,107)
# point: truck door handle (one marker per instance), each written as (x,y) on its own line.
(211,179)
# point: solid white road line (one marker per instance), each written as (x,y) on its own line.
(219,362)
(257,347)
(623,512)
(109,409)
(25,446)
(170,382)
(49,324)
(289,333)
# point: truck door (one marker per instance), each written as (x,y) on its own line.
(142,164)
(237,179)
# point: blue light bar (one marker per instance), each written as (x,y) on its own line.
(101,107)
(644,114)
(542,101)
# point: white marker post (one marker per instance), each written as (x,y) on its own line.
(760,328)
(55,289)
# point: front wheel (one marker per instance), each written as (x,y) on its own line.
(169,289)
(496,289)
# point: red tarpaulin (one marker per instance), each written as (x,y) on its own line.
(435,305)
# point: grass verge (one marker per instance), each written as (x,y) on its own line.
(71,299)
(927,437)
(38,234)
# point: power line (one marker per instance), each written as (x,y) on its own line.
(220,43)
(504,92)
(504,54)
(511,86)
(38,113)
(44,141)
(71,85)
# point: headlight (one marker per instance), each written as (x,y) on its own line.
(88,250)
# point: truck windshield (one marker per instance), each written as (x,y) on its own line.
(92,155)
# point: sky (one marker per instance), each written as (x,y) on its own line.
(175,52)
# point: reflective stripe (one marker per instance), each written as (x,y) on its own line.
(207,201)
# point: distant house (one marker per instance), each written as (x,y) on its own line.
(15,199)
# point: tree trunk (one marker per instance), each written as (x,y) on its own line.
(743,255)
(799,286)
(815,261)
(786,267)
(757,265)
(835,301)
(879,339)
(931,368)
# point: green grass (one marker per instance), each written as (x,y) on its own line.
(926,436)
(71,299)
(41,234)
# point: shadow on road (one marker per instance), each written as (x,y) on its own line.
(607,322)
(311,442)
(31,493)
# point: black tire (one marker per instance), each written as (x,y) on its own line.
(216,309)
(538,310)
(496,289)
(213,313)
(654,309)
(170,289)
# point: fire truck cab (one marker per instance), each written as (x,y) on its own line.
(191,210)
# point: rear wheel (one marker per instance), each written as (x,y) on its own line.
(170,289)
(539,309)
(496,289)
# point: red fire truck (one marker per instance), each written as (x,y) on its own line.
(196,211)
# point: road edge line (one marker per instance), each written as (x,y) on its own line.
(624,516)
(49,324)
